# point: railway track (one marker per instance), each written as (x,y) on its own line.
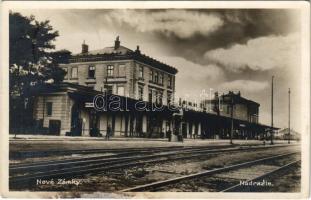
(63,152)
(121,153)
(223,185)
(27,174)
(19,168)
(128,152)
(239,188)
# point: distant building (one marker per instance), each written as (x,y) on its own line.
(243,109)
(216,123)
(284,134)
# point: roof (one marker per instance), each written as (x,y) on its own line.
(83,94)
(285,131)
(237,98)
(122,50)
(220,119)
(119,52)
(61,87)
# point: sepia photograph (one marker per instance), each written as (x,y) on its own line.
(124,100)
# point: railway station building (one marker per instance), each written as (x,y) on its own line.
(136,97)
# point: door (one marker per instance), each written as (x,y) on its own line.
(76,122)
(54,127)
(184,130)
(93,124)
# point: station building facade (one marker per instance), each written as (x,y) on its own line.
(122,71)
(127,78)
(116,71)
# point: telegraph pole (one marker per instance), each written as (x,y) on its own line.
(272,111)
(232,128)
(288,115)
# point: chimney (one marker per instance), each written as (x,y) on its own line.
(137,49)
(117,43)
(85,47)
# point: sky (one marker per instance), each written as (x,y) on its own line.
(213,49)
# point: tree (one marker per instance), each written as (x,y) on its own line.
(32,61)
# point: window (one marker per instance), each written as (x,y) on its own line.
(155,96)
(140,92)
(120,90)
(141,72)
(228,109)
(156,77)
(74,72)
(91,87)
(151,75)
(49,108)
(150,96)
(66,72)
(108,89)
(91,72)
(159,98)
(122,70)
(161,78)
(110,70)
(169,81)
(169,97)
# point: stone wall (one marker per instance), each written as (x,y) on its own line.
(61,110)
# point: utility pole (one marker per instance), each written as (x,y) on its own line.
(232,128)
(288,115)
(271,136)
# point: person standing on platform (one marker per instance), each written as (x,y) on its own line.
(108,134)
(169,134)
